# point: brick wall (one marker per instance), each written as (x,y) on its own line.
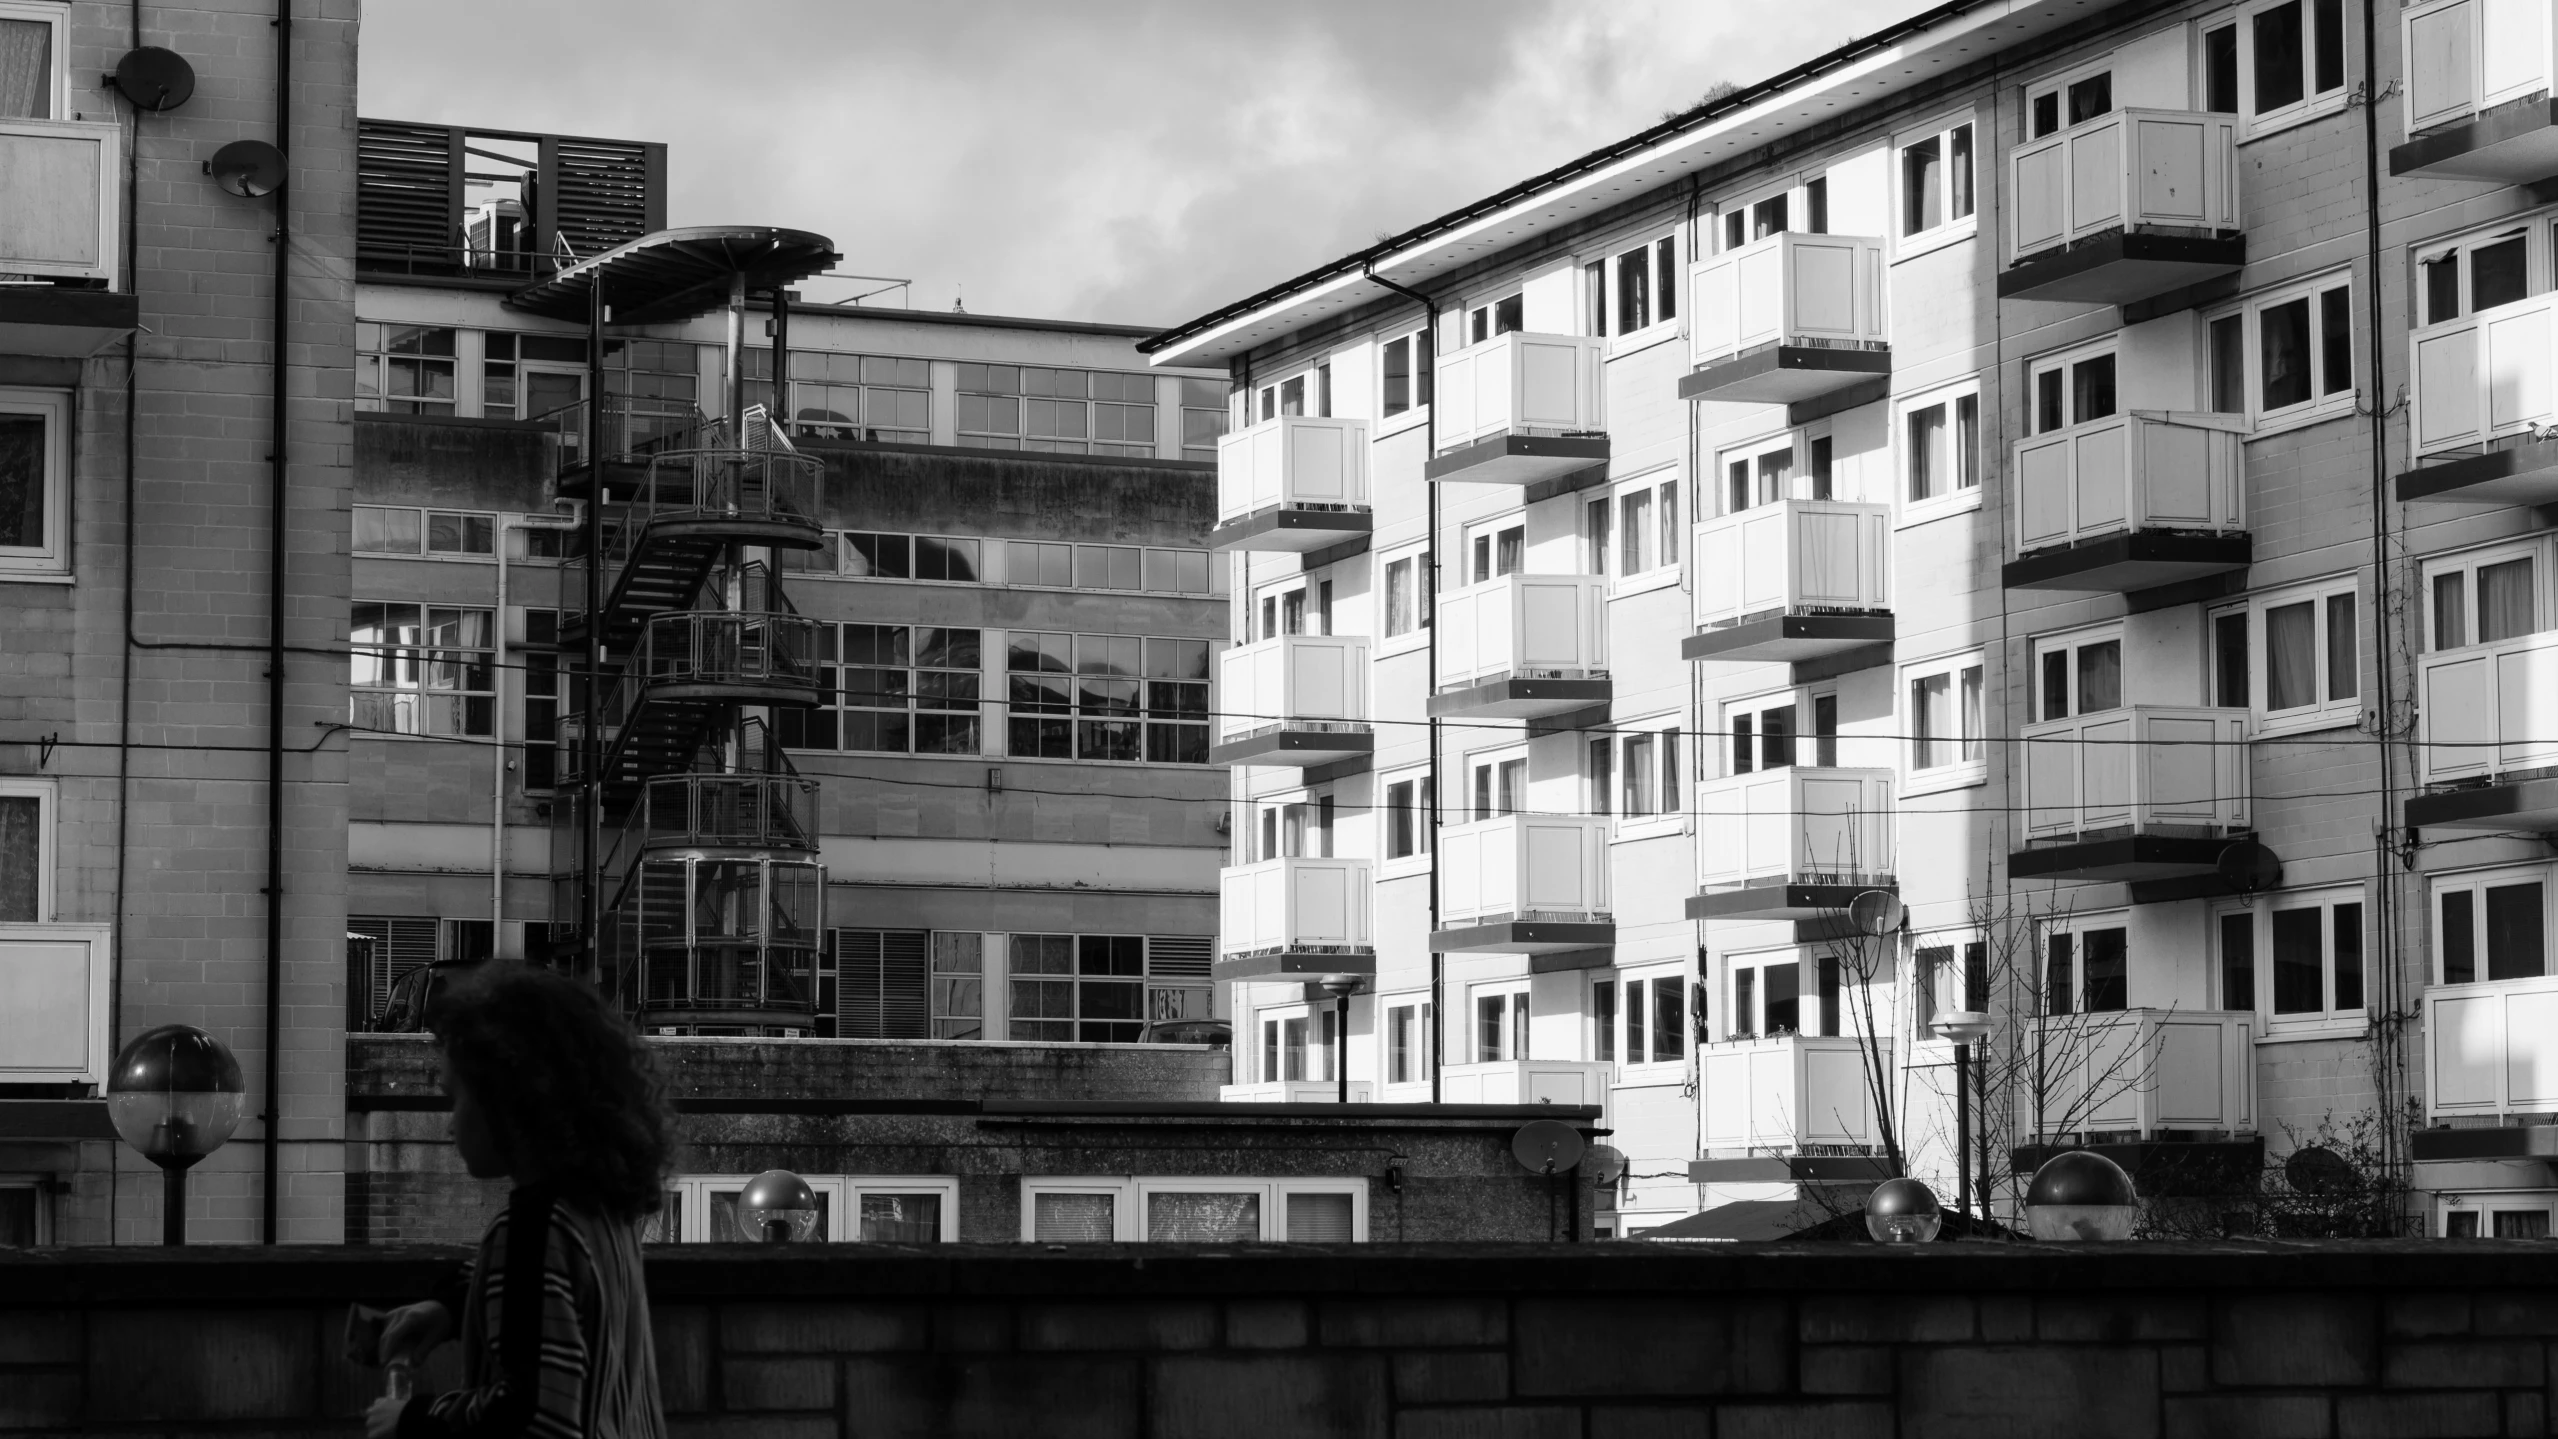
(1611,1342)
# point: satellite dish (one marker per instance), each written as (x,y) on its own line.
(1605,1163)
(2319,1172)
(154,79)
(1876,911)
(2249,867)
(249,169)
(1546,1146)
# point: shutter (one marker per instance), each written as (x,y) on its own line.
(600,194)
(1319,1219)
(404,193)
(1179,956)
(881,983)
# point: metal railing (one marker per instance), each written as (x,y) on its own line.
(716,647)
(633,427)
(747,811)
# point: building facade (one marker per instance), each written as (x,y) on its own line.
(1998,520)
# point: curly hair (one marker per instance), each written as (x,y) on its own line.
(562,1076)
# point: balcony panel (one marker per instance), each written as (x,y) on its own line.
(1292,483)
(1785,1093)
(1523,645)
(53,1025)
(2141,769)
(2488,726)
(1799,826)
(1788,318)
(1293,1091)
(63,183)
(1525,868)
(1568,1082)
(2478,76)
(2484,388)
(2129,502)
(2491,1049)
(2141,1071)
(2123,207)
(1295,700)
(1293,916)
(1823,564)
(1519,408)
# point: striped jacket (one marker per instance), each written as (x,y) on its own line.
(555,1337)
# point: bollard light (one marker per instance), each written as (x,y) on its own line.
(778,1207)
(175,1096)
(2079,1195)
(1903,1211)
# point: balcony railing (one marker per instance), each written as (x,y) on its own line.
(1524,868)
(1296,906)
(721,934)
(1293,682)
(1524,627)
(64,188)
(717,649)
(745,811)
(2491,1049)
(1787,1093)
(2465,57)
(2127,472)
(1788,289)
(54,1027)
(1293,462)
(2138,1071)
(1793,557)
(1529,1081)
(2130,169)
(632,427)
(1520,383)
(1798,825)
(2139,770)
(2143,769)
(2484,377)
(2488,710)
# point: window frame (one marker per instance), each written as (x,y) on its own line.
(2314,103)
(1962,771)
(2057,84)
(2535,548)
(1603,313)
(1660,1061)
(2325,712)
(2476,882)
(48,797)
(2078,926)
(2330,1018)
(1803,699)
(2490,1204)
(1518,1020)
(2073,641)
(2324,402)
(499,529)
(1957,499)
(374,362)
(421,655)
(1389,864)
(1756,962)
(1665,522)
(1073,711)
(1796,442)
(1420,377)
(1388,641)
(1664,734)
(1907,243)
(1130,1192)
(50,560)
(57,51)
(837,697)
(2066,362)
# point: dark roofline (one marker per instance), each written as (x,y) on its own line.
(951,317)
(1537,184)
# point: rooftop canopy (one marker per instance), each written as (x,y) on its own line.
(677,274)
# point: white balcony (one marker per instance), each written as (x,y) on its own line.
(1519,408)
(1524,884)
(1785,1094)
(1787,318)
(54,1004)
(2139,1070)
(1529,1081)
(1793,843)
(1293,916)
(1792,580)
(1523,646)
(2485,388)
(63,180)
(2467,63)
(2129,502)
(1293,700)
(2125,206)
(1296,482)
(2140,792)
(2487,712)
(1293,1091)
(2491,1049)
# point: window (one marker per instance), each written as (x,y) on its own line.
(34,63)
(404,369)
(1634,289)
(1489,319)
(422,669)
(1203,419)
(2291,657)
(26,1201)
(1194,1210)
(1941,446)
(2491,927)
(35,439)
(1099,567)
(1087,988)
(1942,986)
(544,669)
(848,397)
(1644,532)
(2055,105)
(1758,474)
(959,986)
(529,376)
(2483,596)
(1937,197)
(1944,721)
(1404,374)
(1409,802)
(1639,1019)
(2071,390)
(1769,732)
(1293,829)
(872,1209)
(1299,607)
(1108,697)
(1297,1044)
(1026,407)
(1500,782)
(2287,353)
(2078,674)
(2277,64)
(1636,773)
(894,689)
(1407,1043)
(1767,994)
(1407,594)
(1500,1022)
(381,530)
(2297,959)
(2514,1216)
(26,851)
(2086,967)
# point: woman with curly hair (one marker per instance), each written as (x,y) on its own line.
(557,1093)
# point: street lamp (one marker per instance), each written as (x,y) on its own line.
(1341,987)
(175,1096)
(1966,1027)
(777,1207)
(2081,1195)
(1902,1211)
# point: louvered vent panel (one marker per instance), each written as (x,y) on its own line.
(404,191)
(602,191)
(399,945)
(1179,956)
(880,983)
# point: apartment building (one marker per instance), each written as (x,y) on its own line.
(2040,463)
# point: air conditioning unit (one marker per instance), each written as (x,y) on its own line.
(497,237)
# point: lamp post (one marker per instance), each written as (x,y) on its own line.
(1966,1027)
(777,1207)
(2078,1195)
(1341,987)
(175,1096)
(1902,1211)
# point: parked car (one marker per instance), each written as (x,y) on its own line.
(1216,1032)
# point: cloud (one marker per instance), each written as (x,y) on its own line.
(1118,160)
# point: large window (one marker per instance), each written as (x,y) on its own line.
(1760,473)
(2482,596)
(399,530)
(2086,967)
(1409,801)
(1636,288)
(1636,530)
(894,689)
(849,397)
(404,369)
(35,440)
(1203,419)
(2491,926)
(26,851)
(2287,354)
(1951,972)
(2297,960)
(1194,1211)
(2074,389)
(1026,407)
(1639,1018)
(2278,63)
(1774,731)
(1944,720)
(1083,987)
(1406,593)
(544,673)
(529,376)
(1108,697)
(1936,186)
(2291,657)
(34,63)
(1404,374)
(1941,447)
(1298,1042)
(2077,674)
(1768,998)
(422,669)
(1500,1021)
(1408,1042)
(868,1209)
(1634,774)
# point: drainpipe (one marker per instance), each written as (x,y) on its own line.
(1430,596)
(498,760)
(590,819)
(273,1118)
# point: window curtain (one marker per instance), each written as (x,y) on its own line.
(1202,1218)
(2291,657)
(21,848)
(21,447)
(1074,1218)
(26,70)
(2504,601)
(901,1218)
(1318,1218)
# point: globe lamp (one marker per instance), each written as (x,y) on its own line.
(1902,1211)
(778,1207)
(2078,1195)
(175,1096)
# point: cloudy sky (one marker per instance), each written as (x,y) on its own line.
(1136,161)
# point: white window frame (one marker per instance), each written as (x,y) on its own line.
(1797,443)
(1801,698)
(1807,992)
(1389,864)
(1129,1195)
(1493,757)
(2468,563)
(50,560)
(1514,995)
(2534,230)
(1319,1017)
(1658,572)
(1655,1066)
(1906,243)
(2313,104)
(2075,926)
(2066,361)
(1418,634)
(1962,771)
(2323,712)
(2475,883)
(1942,986)
(1957,498)
(1490,529)
(2073,641)
(57,51)
(1417,1004)
(1610,258)
(48,798)
(2487,1203)
(1413,335)
(2329,1018)
(1673,763)
(2059,84)
(2323,403)
(843,1200)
